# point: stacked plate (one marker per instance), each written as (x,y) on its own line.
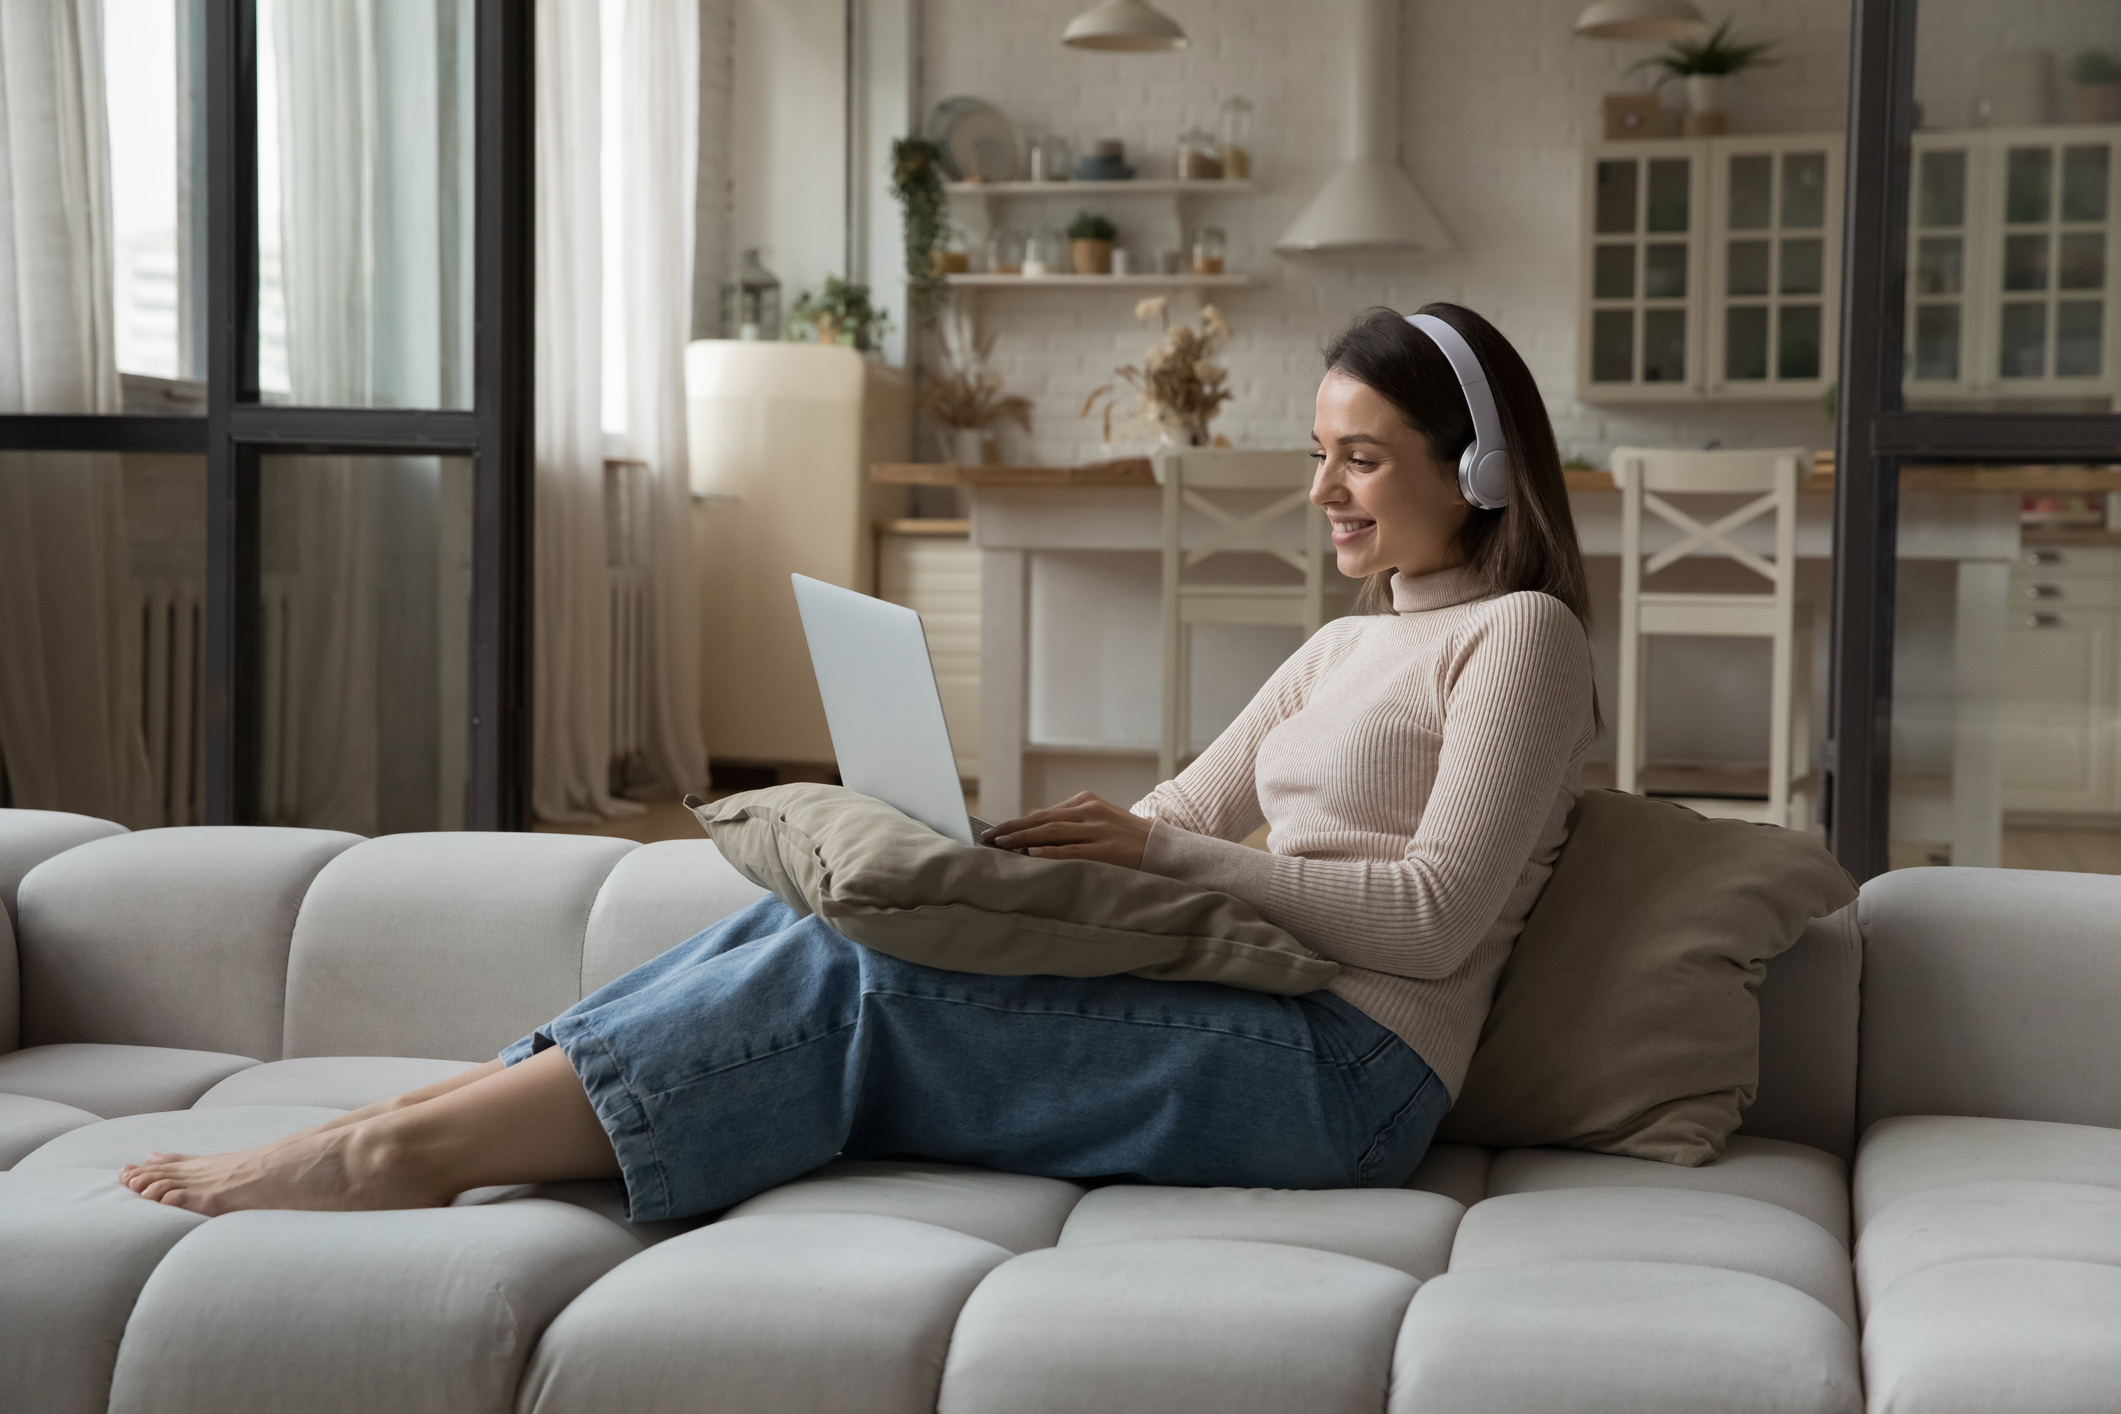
(978,142)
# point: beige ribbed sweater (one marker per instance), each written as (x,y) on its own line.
(1417,770)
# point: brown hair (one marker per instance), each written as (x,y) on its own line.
(1531,542)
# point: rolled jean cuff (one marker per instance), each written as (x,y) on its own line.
(524,1049)
(647,1185)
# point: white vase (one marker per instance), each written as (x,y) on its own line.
(1704,93)
(965,446)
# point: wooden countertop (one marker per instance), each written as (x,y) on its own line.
(1134,471)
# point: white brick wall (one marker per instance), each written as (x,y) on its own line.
(1498,99)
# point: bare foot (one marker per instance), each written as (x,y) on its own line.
(344,1169)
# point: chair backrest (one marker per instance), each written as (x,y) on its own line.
(1646,476)
(1188,473)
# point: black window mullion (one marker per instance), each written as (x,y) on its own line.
(504,247)
(1866,483)
(231,696)
(410,432)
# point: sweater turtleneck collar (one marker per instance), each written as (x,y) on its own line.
(1415,593)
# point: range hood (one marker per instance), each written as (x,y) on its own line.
(1368,204)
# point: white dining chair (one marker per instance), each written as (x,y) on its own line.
(1206,482)
(1649,481)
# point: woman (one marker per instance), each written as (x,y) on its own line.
(1416,761)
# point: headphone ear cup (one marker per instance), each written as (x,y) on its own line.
(1469,475)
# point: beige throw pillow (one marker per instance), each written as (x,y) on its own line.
(893,884)
(1625,1021)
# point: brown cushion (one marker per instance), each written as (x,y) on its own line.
(893,884)
(1625,1021)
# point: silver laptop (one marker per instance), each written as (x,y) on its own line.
(883,707)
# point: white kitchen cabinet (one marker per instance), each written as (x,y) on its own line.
(1711,268)
(2061,737)
(2011,246)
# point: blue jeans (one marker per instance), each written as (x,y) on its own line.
(768,1044)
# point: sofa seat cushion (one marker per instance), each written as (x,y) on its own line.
(1910,1153)
(339,1082)
(2021,1334)
(2078,1222)
(1394,1227)
(1658,1225)
(1621,1338)
(426,1312)
(27,1124)
(832,1313)
(1807,1181)
(110,1081)
(1457,1171)
(1185,1326)
(113,1143)
(75,1249)
(1013,1211)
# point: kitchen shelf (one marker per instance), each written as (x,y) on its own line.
(1146,186)
(1105,282)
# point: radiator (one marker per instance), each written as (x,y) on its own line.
(172,676)
(627,507)
(279,709)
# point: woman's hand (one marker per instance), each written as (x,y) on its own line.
(1080,827)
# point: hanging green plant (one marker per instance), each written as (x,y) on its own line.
(917,182)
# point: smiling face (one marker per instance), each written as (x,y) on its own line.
(1391,504)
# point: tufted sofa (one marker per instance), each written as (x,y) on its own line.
(205,989)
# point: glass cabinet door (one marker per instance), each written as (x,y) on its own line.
(1776,223)
(1942,319)
(2048,276)
(1642,212)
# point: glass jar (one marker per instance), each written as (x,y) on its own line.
(1005,251)
(751,301)
(1237,139)
(1199,156)
(1208,250)
(1052,159)
(954,256)
(1045,253)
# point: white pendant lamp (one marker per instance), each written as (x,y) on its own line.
(1642,19)
(1127,25)
(1368,204)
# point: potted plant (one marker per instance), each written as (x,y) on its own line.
(917,182)
(1705,63)
(1090,243)
(841,314)
(1178,385)
(966,397)
(2098,75)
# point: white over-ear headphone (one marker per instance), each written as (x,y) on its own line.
(1484,467)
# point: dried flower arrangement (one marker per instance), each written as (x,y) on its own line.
(1179,385)
(968,392)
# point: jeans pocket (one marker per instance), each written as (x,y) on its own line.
(1402,1140)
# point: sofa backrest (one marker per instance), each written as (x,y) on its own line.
(657,897)
(447,946)
(1810,1008)
(1991,992)
(175,937)
(27,839)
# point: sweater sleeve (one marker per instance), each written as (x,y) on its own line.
(1217,796)
(1516,712)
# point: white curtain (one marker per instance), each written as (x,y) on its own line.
(69,649)
(659,118)
(571,667)
(365,559)
(318,513)
(575,660)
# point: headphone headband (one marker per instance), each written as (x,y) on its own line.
(1484,467)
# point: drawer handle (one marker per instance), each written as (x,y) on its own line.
(2043,620)
(2043,557)
(2043,591)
